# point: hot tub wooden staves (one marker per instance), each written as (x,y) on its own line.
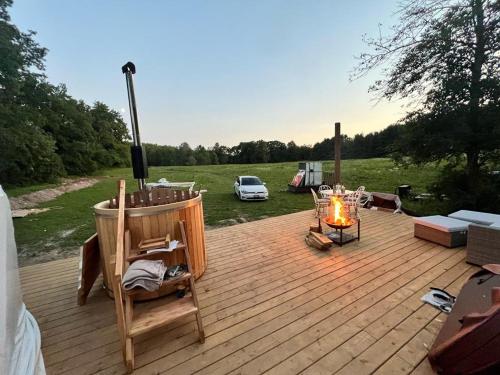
(152,222)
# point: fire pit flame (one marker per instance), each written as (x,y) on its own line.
(339,219)
(338,214)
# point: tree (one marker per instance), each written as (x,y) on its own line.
(277,151)
(201,155)
(323,150)
(292,151)
(261,152)
(69,124)
(27,153)
(185,155)
(245,153)
(39,162)
(444,58)
(45,133)
(161,155)
(22,57)
(112,136)
(221,152)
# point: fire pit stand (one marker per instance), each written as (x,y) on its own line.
(338,236)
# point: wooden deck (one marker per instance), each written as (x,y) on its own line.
(270,305)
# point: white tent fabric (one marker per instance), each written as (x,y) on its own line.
(20,342)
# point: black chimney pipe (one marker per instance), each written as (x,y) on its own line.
(139,162)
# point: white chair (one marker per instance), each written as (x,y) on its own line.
(353,200)
(324,191)
(321,203)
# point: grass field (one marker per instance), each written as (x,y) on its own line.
(71,221)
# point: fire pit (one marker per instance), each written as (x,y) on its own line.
(339,219)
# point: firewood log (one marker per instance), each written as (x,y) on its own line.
(314,228)
(321,238)
(313,242)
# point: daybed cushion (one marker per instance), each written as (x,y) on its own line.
(442,223)
(476,217)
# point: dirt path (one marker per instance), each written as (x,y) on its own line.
(31,200)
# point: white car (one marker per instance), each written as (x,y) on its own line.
(250,188)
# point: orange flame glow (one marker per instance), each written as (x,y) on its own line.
(338,214)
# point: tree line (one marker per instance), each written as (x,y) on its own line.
(443,58)
(372,145)
(44,132)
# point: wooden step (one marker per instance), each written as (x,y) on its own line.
(160,315)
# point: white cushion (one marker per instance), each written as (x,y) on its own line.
(442,223)
(476,217)
(495,225)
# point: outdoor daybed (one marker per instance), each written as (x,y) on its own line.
(483,238)
(443,230)
(479,230)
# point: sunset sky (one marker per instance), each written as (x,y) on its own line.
(218,71)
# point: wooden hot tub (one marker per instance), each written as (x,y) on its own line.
(152,222)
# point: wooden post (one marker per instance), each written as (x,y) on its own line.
(338,142)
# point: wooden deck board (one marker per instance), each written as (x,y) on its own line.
(270,305)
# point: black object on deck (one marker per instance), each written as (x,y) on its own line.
(403,191)
(139,161)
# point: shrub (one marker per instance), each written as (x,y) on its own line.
(28,155)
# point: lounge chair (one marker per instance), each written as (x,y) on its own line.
(483,244)
(483,237)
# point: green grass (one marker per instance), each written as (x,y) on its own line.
(71,220)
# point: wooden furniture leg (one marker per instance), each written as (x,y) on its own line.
(201,331)
(129,354)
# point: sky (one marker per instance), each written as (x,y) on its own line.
(218,71)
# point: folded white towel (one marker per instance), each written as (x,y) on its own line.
(147,274)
